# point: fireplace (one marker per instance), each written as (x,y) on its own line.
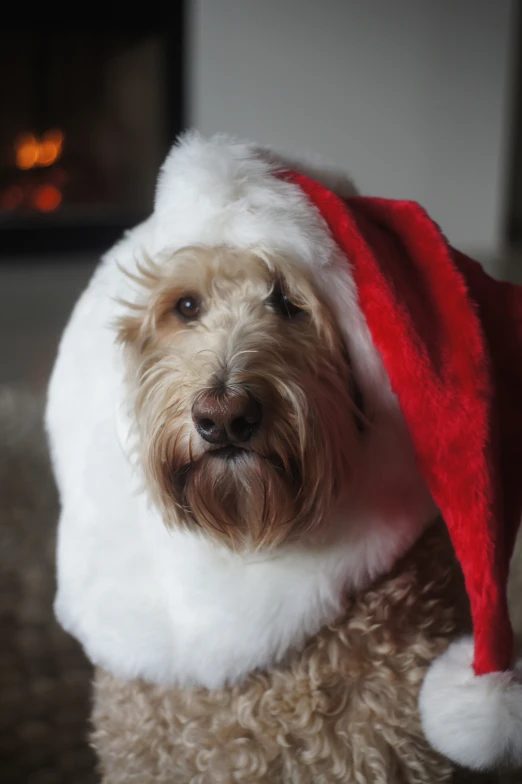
(87,117)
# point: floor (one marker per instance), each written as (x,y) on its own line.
(44,676)
(36,298)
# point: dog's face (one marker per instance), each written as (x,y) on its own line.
(242,393)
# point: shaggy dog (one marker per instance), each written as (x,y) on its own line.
(247,549)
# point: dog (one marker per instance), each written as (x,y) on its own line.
(248,549)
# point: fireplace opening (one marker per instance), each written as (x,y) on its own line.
(87,117)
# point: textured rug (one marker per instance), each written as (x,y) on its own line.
(44,676)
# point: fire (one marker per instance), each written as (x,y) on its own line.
(31,151)
(46,198)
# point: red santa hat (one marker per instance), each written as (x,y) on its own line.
(450,338)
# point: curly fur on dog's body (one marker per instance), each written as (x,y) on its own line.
(345,709)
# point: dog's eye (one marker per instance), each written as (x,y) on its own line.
(188,307)
(283,305)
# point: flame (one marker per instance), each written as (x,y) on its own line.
(46,198)
(31,152)
(26,148)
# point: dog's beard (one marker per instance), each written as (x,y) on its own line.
(248,500)
(258,495)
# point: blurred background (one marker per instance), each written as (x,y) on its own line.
(417,100)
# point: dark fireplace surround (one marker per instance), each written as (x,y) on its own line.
(87,117)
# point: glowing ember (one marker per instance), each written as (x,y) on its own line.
(32,152)
(46,198)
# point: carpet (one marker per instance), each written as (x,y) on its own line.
(44,676)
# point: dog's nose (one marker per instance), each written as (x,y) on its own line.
(226,418)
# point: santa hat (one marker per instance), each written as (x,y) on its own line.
(450,340)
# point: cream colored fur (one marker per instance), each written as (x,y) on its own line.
(342,710)
(287,481)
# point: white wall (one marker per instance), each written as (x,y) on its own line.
(411,96)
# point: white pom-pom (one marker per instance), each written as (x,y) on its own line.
(476,721)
